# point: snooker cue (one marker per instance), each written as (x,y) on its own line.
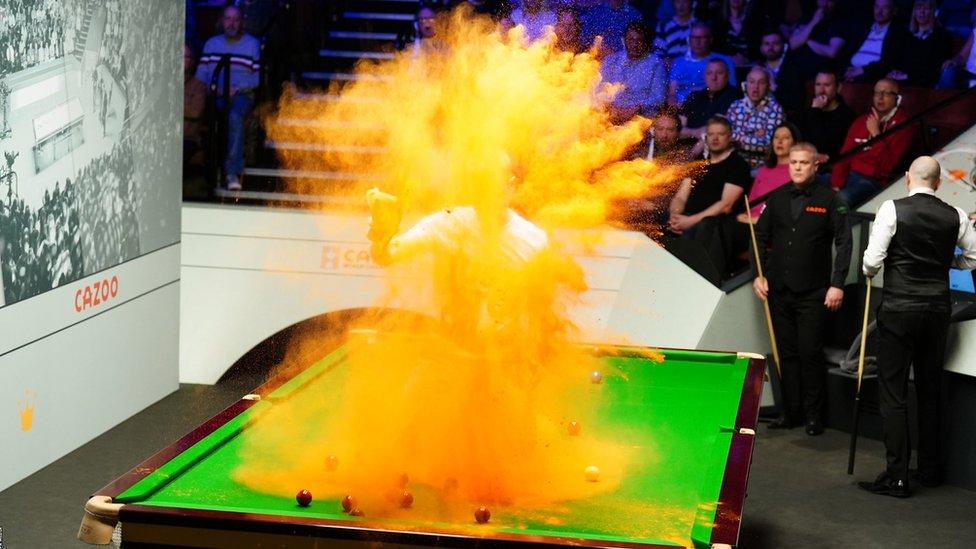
(860,376)
(759,271)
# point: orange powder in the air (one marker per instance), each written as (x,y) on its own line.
(475,409)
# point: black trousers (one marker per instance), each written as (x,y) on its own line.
(909,339)
(799,319)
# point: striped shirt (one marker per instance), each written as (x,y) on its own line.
(870,51)
(671,38)
(244,66)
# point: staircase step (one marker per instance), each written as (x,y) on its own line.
(278,197)
(378,16)
(360,35)
(323,147)
(333,98)
(353,54)
(308,174)
(344,76)
(320,123)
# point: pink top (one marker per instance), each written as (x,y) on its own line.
(767,180)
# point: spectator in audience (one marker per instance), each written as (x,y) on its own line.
(701,105)
(876,54)
(803,280)
(648,214)
(754,117)
(868,171)
(775,171)
(194,103)
(784,80)
(420,38)
(568,31)
(704,207)
(662,141)
(960,70)
(244,51)
(716,98)
(609,19)
(641,73)
(925,46)
(688,72)
(819,42)
(534,18)
(671,36)
(737,31)
(826,120)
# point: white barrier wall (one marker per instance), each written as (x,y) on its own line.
(90,181)
(248,273)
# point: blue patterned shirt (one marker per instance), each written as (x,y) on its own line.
(753,126)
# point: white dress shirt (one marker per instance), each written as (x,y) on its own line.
(885,224)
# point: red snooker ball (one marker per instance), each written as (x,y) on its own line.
(482,515)
(573,428)
(304,498)
(348,503)
(356,512)
(406,499)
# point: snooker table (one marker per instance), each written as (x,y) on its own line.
(700,406)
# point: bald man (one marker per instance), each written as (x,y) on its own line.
(914,238)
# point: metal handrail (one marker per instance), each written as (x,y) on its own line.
(218,140)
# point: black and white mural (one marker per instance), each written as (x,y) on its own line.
(90,136)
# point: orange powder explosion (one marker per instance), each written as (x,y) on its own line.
(474,409)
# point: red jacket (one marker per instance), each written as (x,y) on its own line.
(879,159)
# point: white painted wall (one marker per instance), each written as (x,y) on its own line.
(248,273)
(81,373)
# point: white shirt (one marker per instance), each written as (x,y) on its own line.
(885,223)
(458,231)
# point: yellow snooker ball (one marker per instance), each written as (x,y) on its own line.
(592,473)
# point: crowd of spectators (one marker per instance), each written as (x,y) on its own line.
(30,33)
(86,225)
(741,81)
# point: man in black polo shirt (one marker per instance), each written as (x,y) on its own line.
(704,207)
(794,236)
(915,239)
(826,120)
(714,99)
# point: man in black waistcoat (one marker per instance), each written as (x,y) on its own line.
(915,239)
(794,235)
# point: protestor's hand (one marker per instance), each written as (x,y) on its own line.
(385,215)
(761,286)
(819,102)
(834,299)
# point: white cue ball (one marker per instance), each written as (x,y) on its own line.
(596,376)
(592,473)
